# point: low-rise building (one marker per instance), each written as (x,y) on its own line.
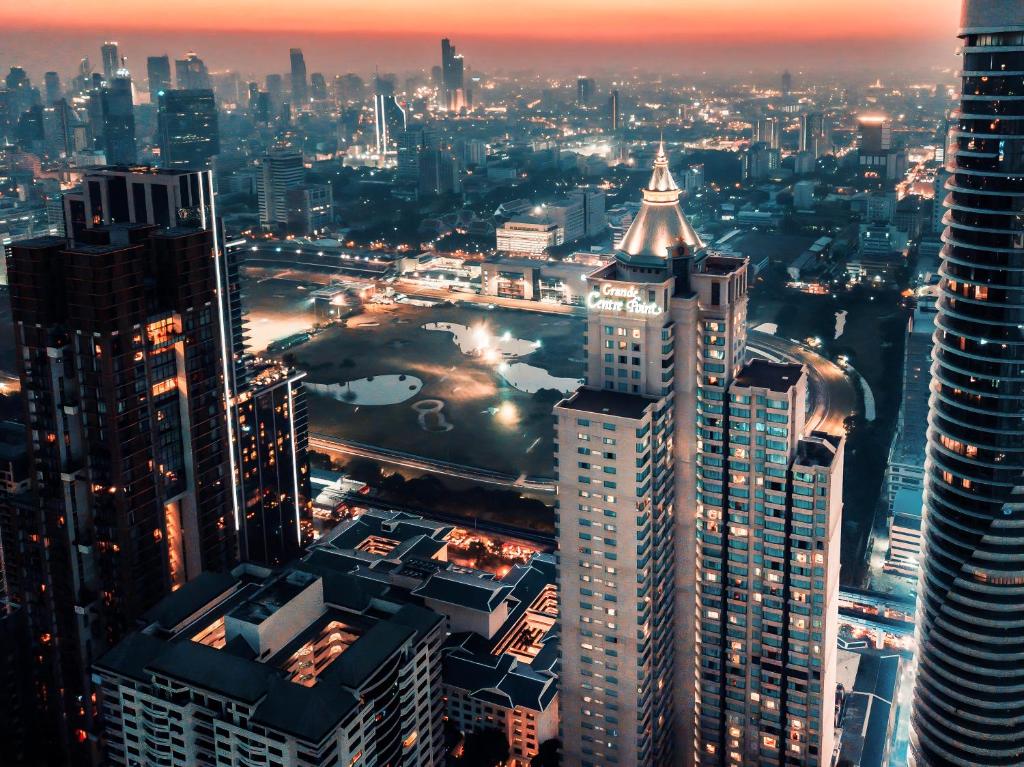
(499,668)
(867,703)
(562,282)
(506,678)
(528,236)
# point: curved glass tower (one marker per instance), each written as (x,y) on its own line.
(969,695)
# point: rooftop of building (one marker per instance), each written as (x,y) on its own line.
(773,376)
(149,170)
(188,640)
(388,535)
(981,16)
(518,665)
(529,222)
(817,449)
(908,501)
(721,265)
(514,666)
(659,225)
(605,402)
(870,681)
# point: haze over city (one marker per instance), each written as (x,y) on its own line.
(724,37)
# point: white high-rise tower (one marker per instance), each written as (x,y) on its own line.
(666,337)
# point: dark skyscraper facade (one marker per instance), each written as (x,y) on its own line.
(389,117)
(111,61)
(300,86)
(191,73)
(585,90)
(119,120)
(187,129)
(51,81)
(969,697)
(120,352)
(453,78)
(158,74)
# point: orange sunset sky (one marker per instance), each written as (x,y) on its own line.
(490,32)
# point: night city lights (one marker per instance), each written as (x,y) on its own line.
(568,384)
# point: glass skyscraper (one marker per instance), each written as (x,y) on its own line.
(969,695)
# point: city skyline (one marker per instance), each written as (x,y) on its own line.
(728,36)
(573,384)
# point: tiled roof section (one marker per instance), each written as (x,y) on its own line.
(464,589)
(471,663)
(190,599)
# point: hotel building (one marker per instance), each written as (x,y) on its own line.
(640,455)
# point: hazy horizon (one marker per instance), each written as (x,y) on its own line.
(732,36)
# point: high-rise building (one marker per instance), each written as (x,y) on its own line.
(760,161)
(275,87)
(111,61)
(453,90)
(279,172)
(187,129)
(59,129)
(118,120)
(787,83)
(874,134)
(123,370)
(814,137)
(158,76)
(768,611)
(51,81)
(877,154)
(693,181)
(968,704)
(585,91)
(318,87)
(614,117)
(626,447)
(905,470)
(300,88)
(388,116)
(24,732)
(592,201)
(271,432)
(768,130)
(24,728)
(644,451)
(310,210)
(191,74)
(349,88)
(410,145)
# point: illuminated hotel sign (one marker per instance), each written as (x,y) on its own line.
(615,298)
